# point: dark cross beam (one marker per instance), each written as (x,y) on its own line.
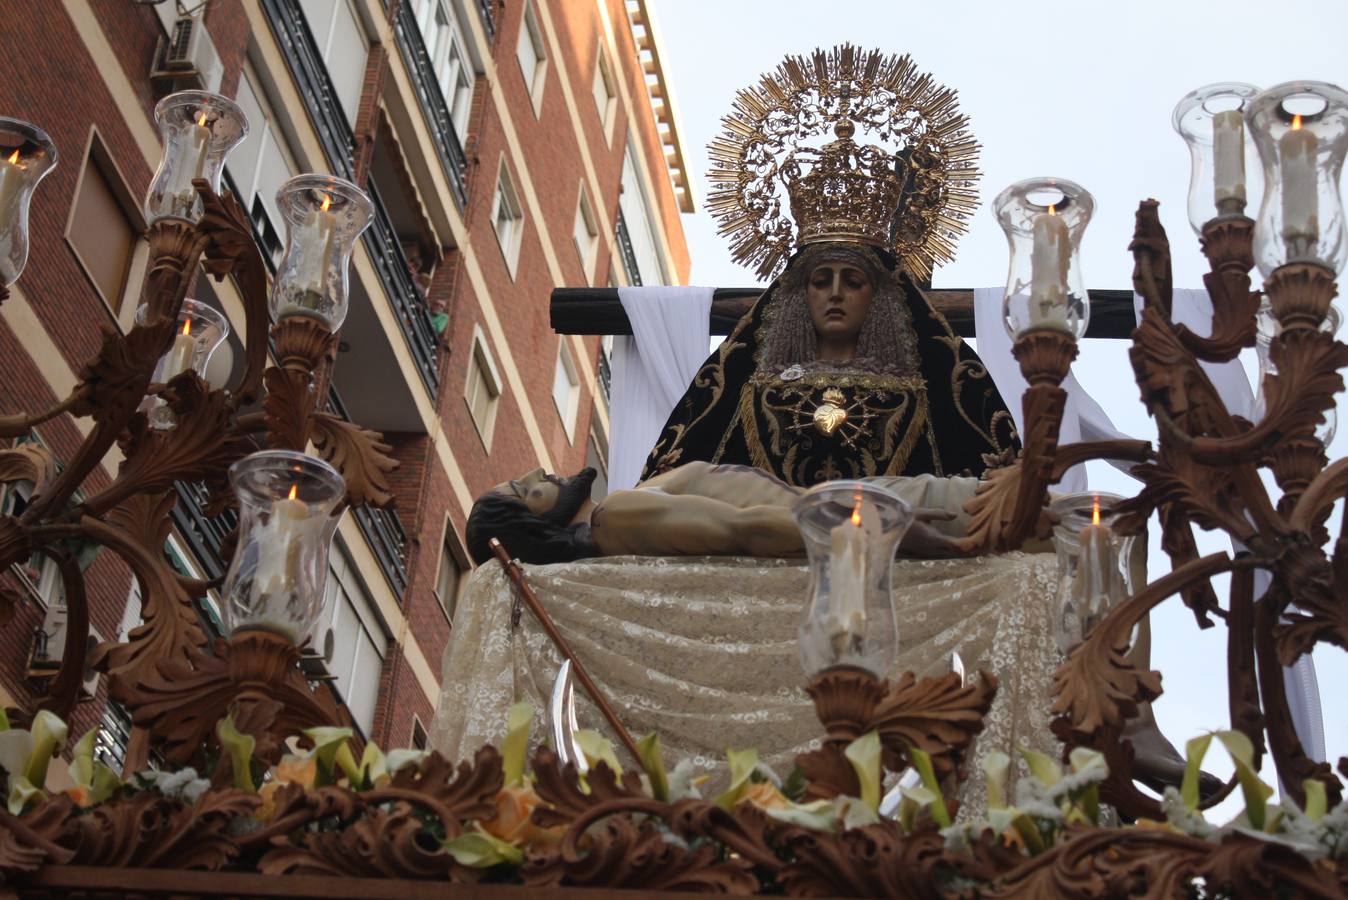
(598,311)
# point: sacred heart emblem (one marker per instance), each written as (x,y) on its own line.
(829,415)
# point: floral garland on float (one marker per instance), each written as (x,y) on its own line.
(504,819)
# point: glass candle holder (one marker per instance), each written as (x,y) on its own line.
(277,577)
(325,215)
(851,530)
(200,331)
(1044,219)
(26,156)
(1094,564)
(1212,122)
(1301,131)
(198,129)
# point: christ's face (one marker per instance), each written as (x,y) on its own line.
(550,496)
(537,490)
(839,297)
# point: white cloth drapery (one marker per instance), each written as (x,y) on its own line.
(652,369)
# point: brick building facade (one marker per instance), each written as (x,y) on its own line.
(510,147)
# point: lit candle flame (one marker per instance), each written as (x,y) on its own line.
(1296,123)
(202,119)
(294,489)
(1053,209)
(187,326)
(327,201)
(856,511)
(14,158)
(1095,511)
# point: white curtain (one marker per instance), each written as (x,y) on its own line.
(651,369)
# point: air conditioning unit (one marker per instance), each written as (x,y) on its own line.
(187,57)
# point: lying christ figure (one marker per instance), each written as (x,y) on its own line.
(701,509)
(698,509)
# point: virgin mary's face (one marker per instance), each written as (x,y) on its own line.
(839,297)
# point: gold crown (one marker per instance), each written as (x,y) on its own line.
(911,198)
(850,192)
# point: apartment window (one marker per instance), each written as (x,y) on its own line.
(104,226)
(483,390)
(636,210)
(359,641)
(340,39)
(444,44)
(39,574)
(260,164)
(452,573)
(532,56)
(605,95)
(566,387)
(586,233)
(419,738)
(507,218)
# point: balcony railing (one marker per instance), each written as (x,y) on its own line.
(311,77)
(409,304)
(629,255)
(205,536)
(605,374)
(383,528)
(447,144)
(486,9)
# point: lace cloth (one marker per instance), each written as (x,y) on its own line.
(703,650)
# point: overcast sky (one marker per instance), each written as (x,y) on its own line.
(1079,90)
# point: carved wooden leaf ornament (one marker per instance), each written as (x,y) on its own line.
(359,454)
(170,629)
(379,844)
(148,830)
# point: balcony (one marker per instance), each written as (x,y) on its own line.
(447,144)
(382,528)
(205,536)
(315,86)
(625,250)
(486,10)
(408,303)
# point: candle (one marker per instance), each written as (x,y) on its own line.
(278,553)
(314,248)
(11,189)
(1097,571)
(848,544)
(1228,154)
(1049,260)
(182,197)
(180,356)
(1300,204)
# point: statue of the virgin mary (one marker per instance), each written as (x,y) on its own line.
(842,369)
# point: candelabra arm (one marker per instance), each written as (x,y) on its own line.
(1293,765)
(117,380)
(1228,243)
(22,423)
(305,351)
(1045,356)
(1069,455)
(231,250)
(1151,259)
